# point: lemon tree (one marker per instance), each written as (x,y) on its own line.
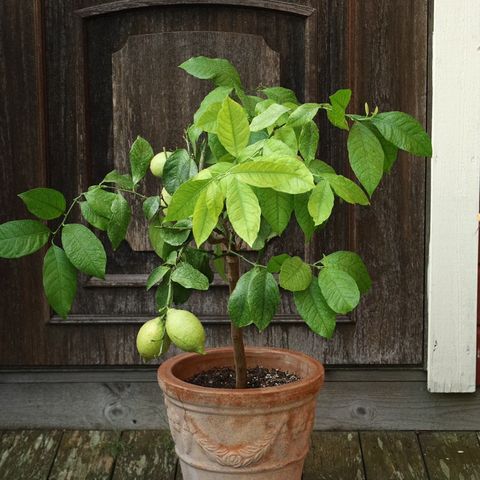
(249,167)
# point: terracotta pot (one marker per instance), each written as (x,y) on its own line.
(223,434)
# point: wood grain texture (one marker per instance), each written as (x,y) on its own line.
(87,455)
(392,456)
(454,204)
(334,456)
(451,455)
(149,455)
(27,454)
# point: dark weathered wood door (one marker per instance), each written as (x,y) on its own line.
(82,78)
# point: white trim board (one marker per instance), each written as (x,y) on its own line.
(454,198)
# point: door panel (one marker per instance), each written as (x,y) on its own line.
(108,72)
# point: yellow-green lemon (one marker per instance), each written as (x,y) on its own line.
(158,162)
(152,340)
(166,197)
(185,330)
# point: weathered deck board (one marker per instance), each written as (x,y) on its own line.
(147,454)
(334,456)
(27,454)
(392,456)
(451,455)
(86,455)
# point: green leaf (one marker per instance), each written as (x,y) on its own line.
(189,277)
(122,180)
(162,292)
(303,114)
(100,201)
(178,168)
(264,234)
(346,189)
(217,95)
(151,206)
(219,70)
(232,127)
(404,132)
(84,250)
(159,246)
(287,135)
(295,274)
(276,207)
(177,234)
(141,153)
(275,263)
(59,280)
(308,141)
(250,103)
(280,95)
(313,308)
(156,276)
(92,217)
(321,202)
(200,260)
(268,117)
(251,151)
(208,120)
(219,263)
(22,237)
(318,168)
(339,289)
(339,101)
(304,219)
(119,220)
(44,203)
(255,299)
(390,151)
(243,210)
(184,199)
(366,156)
(352,264)
(285,174)
(207,210)
(274,147)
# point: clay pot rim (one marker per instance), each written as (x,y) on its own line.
(165,374)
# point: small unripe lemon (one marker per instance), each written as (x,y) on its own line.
(158,162)
(185,330)
(152,341)
(166,196)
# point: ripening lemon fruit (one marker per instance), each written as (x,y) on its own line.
(158,162)
(185,330)
(166,196)
(152,341)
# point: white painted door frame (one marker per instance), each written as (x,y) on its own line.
(454,197)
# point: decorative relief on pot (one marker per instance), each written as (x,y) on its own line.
(236,456)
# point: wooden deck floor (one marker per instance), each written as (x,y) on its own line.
(149,455)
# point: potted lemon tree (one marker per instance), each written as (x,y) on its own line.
(249,168)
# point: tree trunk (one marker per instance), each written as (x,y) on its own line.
(233,274)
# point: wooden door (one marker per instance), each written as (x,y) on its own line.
(85,77)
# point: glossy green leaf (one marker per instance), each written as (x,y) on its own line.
(200,260)
(141,153)
(268,117)
(276,207)
(232,127)
(219,70)
(275,263)
(318,168)
(119,220)
(100,201)
(93,218)
(366,156)
(151,206)
(295,274)
(280,95)
(208,120)
(351,263)
(84,250)
(404,131)
(303,114)
(219,262)
(346,189)
(255,299)
(160,247)
(308,141)
(339,101)
(176,234)
(287,135)
(178,168)
(243,210)
(339,289)
(184,199)
(320,203)
(157,275)
(313,308)
(217,95)
(304,219)
(274,147)
(59,280)
(22,237)
(189,277)
(390,151)
(207,210)
(121,180)
(285,174)
(44,203)
(251,151)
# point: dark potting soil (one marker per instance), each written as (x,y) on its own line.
(257,377)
